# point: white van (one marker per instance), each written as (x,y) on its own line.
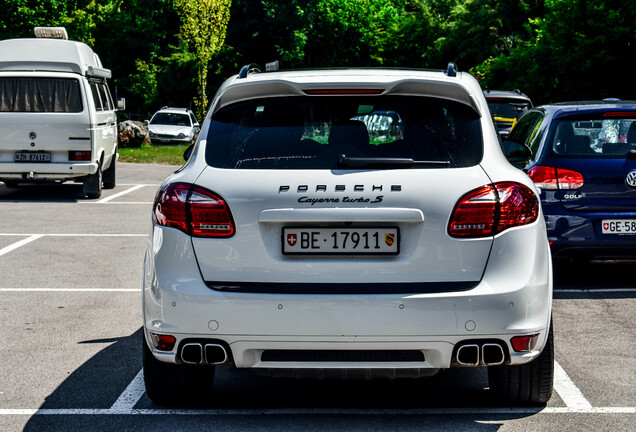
(57,117)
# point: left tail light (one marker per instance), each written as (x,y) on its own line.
(194,210)
(493,208)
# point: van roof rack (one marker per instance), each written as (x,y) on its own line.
(51,32)
(249,69)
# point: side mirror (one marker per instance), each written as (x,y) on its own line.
(188,152)
(147,122)
(517,154)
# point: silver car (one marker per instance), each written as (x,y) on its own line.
(173,126)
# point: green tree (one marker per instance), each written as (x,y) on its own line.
(19,17)
(203,26)
(578,50)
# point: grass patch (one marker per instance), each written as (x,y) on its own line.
(165,155)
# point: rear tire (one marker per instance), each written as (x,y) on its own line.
(171,384)
(93,184)
(526,384)
(109,176)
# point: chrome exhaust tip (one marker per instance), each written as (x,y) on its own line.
(492,354)
(468,355)
(215,354)
(192,353)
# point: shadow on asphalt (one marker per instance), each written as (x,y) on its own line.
(99,382)
(598,276)
(57,193)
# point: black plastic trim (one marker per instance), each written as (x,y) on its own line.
(344,288)
(342,356)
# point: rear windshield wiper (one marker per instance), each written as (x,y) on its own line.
(348,162)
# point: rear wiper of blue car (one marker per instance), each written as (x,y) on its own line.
(350,162)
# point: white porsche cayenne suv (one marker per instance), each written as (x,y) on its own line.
(354,223)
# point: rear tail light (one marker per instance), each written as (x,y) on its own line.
(79,155)
(524,343)
(194,210)
(163,342)
(491,209)
(550,178)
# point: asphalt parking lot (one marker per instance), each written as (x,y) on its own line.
(70,325)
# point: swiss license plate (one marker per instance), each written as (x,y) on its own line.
(341,241)
(618,226)
(33,157)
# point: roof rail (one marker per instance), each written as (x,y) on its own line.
(451,70)
(249,69)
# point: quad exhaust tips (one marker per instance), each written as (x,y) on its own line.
(485,354)
(198,353)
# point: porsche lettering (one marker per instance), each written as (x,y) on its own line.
(340,188)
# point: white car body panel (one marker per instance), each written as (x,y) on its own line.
(512,273)
(429,255)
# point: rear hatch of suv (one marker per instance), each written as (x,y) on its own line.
(325,190)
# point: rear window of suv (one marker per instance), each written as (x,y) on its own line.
(612,136)
(304,132)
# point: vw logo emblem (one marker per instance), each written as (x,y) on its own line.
(631,179)
(33,135)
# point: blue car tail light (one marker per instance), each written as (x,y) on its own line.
(550,178)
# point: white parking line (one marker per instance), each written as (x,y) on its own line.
(72,235)
(129,398)
(117,195)
(569,392)
(20,243)
(38,290)
(119,202)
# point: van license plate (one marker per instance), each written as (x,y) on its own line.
(618,226)
(33,157)
(341,241)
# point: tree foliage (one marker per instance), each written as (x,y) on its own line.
(162,52)
(577,50)
(203,26)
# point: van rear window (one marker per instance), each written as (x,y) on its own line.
(40,95)
(309,132)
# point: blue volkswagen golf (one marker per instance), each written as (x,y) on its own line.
(584,164)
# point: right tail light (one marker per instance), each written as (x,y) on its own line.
(550,178)
(194,210)
(493,208)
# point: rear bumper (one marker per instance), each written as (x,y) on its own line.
(46,171)
(174,140)
(580,234)
(513,298)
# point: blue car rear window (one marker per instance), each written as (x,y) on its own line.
(611,137)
